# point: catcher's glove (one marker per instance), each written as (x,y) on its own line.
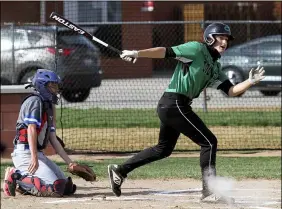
(82,171)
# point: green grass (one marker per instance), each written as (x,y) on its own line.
(126,118)
(133,139)
(179,168)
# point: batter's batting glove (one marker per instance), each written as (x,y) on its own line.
(129,55)
(256,75)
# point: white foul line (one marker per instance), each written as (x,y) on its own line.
(238,199)
(200,189)
(100,198)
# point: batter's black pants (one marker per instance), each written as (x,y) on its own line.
(176,117)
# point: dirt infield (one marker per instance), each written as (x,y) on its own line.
(157,194)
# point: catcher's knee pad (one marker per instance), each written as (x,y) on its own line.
(34,186)
(70,187)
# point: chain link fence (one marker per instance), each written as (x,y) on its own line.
(110,106)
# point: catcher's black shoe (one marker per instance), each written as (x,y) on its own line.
(70,187)
(116,179)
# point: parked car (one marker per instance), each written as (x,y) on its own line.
(72,56)
(266,51)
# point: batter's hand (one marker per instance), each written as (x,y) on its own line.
(129,55)
(33,166)
(256,75)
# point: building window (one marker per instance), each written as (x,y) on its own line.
(93,11)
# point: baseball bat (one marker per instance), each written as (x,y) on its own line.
(65,22)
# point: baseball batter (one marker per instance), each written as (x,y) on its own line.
(197,68)
(33,173)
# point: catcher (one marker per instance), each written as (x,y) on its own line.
(33,173)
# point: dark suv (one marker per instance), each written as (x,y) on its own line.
(72,56)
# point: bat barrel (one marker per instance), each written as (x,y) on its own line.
(63,21)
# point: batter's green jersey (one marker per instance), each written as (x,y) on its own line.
(195,70)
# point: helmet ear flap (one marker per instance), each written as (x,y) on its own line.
(210,40)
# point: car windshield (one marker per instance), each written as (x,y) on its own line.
(6,41)
(259,41)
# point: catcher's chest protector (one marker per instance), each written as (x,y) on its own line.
(47,111)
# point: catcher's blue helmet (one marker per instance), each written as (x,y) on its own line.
(216,29)
(40,80)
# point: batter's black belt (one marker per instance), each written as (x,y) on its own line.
(179,97)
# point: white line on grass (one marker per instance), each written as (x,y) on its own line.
(90,201)
(236,197)
(257,189)
(255,201)
(177,193)
(70,200)
(200,189)
(100,198)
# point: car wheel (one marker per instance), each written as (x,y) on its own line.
(27,75)
(235,77)
(97,81)
(270,93)
(77,95)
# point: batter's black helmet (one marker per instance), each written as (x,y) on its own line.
(216,29)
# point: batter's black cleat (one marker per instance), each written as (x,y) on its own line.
(208,196)
(225,199)
(116,179)
(205,193)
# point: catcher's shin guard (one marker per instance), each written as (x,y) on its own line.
(10,181)
(34,186)
(70,187)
